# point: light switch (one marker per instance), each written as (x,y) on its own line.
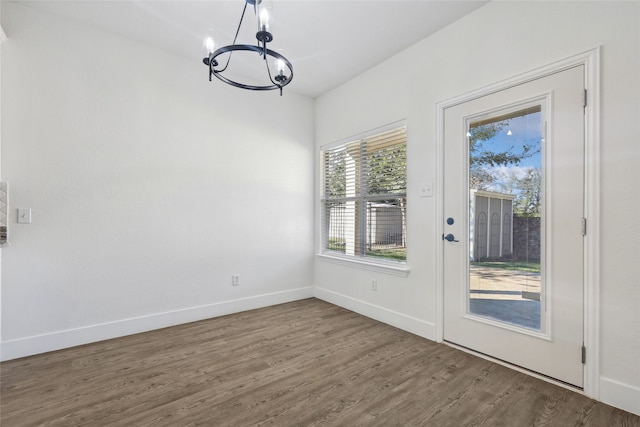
(426,189)
(24,216)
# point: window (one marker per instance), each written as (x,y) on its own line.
(364,200)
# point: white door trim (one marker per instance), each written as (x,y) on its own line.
(591,61)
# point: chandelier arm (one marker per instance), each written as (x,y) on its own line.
(244,10)
(266,63)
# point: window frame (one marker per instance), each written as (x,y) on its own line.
(379,264)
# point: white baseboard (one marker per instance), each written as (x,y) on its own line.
(402,321)
(29,346)
(620,395)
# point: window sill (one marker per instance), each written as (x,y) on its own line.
(392,268)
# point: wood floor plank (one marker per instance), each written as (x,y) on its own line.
(306,363)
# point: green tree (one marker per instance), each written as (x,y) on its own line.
(387,170)
(483,160)
(527,203)
(525,185)
(336,173)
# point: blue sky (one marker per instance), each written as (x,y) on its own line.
(519,131)
(525,130)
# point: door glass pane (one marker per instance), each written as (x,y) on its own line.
(505,217)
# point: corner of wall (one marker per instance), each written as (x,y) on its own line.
(620,395)
(399,320)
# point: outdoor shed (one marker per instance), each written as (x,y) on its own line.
(490,224)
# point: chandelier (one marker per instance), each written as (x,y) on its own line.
(283,68)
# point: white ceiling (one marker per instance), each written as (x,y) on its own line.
(328,41)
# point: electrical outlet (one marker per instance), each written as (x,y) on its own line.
(235,280)
(374,285)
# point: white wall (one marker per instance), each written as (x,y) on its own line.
(149,187)
(499,41)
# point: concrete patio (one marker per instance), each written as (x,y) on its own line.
(506,295)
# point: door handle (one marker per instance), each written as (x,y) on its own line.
(449,238)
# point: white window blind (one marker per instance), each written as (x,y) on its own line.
(365,197)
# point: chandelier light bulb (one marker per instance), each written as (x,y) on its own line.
(208,43)
(264,19)
(280,66)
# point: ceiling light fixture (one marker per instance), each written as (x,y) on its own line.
(281,78)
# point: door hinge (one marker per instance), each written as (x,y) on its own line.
(585,99)
(584,226)
(584,354)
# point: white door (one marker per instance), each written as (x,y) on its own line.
(513,232)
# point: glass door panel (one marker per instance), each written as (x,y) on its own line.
(505,217)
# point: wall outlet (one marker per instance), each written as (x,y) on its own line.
(374,285)
(235,280)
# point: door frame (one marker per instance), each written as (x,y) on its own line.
(591,61)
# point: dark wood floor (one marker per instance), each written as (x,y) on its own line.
(299,364)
